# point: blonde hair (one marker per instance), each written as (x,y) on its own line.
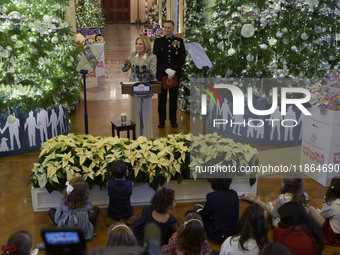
(120,234)
(147,43)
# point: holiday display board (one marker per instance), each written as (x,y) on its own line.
(320,150)
(23,133)
(93,36)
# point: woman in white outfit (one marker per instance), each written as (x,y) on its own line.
(143,68)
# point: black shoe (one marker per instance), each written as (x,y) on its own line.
(174,125)
(161,124)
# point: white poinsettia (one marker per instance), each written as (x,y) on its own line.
(154,161)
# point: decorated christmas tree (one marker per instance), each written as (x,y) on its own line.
(89,13)
(195,16)
(37,57)
(276,38)
(163,13)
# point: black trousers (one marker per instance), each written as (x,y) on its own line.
(162,98)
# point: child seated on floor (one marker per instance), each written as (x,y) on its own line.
(251,236)
(328,219)
(221,210)
(190,238)
(158,213)
(76,209)
(19,243)
(297,230)
(120,235)
(119,190)
(292,190)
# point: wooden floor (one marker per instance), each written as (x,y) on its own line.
(105,104)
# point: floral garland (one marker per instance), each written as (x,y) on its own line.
(153,161)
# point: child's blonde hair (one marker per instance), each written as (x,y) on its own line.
(120,234)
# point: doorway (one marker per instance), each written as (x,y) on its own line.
(116,11)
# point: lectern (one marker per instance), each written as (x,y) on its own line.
(141,89)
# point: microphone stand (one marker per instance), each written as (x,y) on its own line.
(141,75)
(84,72)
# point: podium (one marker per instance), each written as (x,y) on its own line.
(143,114)
(127,87)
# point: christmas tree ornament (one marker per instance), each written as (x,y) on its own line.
(304,36)
(259,74)
(272,41)
(11,119)
(55,21)
(19,44)
(14,38)
(9,49)
(229,73)
(32,39)
(54,40)
(250,57)
(211,40)
(231,51)
(45,33)
(220,45)
(279,34)
(284,30)
(294,49)
(5,54)
(235,15)
(247,30)
(14,17)
(263,46)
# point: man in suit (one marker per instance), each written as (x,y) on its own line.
(170,52)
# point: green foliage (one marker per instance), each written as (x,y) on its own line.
(37,57)
(195,17)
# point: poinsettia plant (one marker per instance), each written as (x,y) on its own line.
(152,161)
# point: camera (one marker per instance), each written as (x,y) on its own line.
(71,241)
(64,241)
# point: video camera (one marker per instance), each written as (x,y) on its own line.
(70,241)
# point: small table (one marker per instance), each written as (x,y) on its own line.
(117,125)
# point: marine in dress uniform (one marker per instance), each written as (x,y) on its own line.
(170,52)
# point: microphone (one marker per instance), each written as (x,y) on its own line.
(141,72)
